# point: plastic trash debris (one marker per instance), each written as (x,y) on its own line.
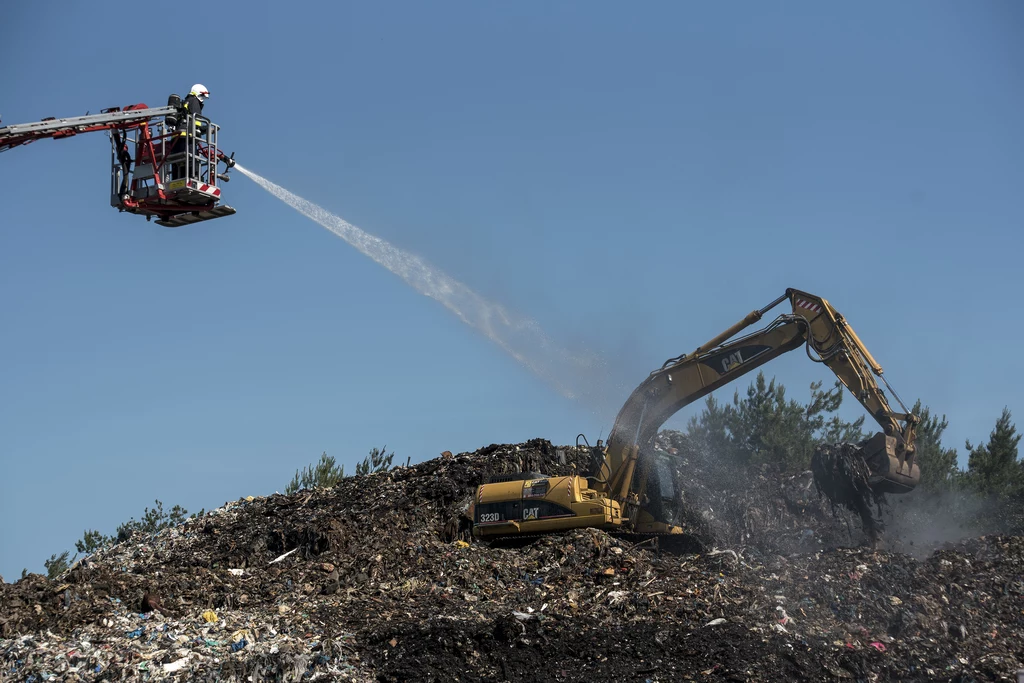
(281,557)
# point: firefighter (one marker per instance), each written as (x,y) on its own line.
(125,157)
(192,105)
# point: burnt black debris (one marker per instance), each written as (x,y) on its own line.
(378,579)
(843,476)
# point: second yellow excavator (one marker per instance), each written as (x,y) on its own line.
(614,497)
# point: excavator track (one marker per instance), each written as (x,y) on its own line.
(673,544)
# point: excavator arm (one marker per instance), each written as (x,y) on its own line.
(827,337)
(614,496)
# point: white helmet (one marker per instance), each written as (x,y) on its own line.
(200,91)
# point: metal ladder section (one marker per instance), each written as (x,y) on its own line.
(23,133)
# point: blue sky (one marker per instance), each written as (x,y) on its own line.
(635,180)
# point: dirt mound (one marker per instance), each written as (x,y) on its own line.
(377,579)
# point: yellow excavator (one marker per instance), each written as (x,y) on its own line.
(614,497)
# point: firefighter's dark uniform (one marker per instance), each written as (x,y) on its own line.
(194,106)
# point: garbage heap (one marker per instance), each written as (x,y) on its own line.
(376,579)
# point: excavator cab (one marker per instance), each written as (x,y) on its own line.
(160,173)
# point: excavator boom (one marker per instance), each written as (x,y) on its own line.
(615,495)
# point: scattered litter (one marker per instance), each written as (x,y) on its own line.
(281,557)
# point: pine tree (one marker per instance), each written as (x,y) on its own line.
(325,473)
(766,427)
(376,461)
(993,468)
(706,437)
(57,564)
(939,471)
(152,521)
(92,541)
(834,429)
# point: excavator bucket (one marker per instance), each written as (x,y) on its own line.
(890,473)
(857,476)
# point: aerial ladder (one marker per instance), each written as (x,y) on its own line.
(154,171)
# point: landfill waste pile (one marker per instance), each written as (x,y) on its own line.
(378,579)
